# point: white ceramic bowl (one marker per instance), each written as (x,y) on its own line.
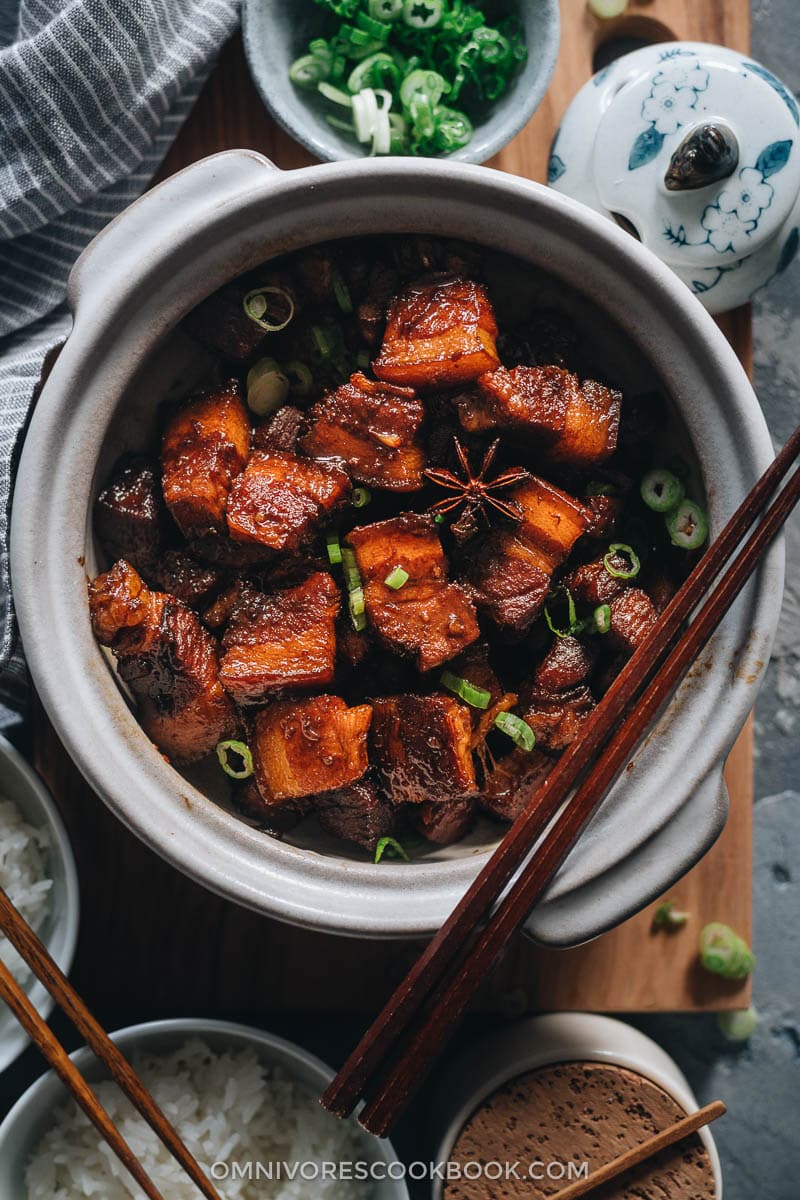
(21,784)
(541,1042)
(32,1115)
(130,289)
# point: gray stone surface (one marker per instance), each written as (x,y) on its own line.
(760,1080)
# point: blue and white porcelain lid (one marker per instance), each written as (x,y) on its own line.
(728,230)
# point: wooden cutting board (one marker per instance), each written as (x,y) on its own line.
(153,943)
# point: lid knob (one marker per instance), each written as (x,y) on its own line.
(707,154)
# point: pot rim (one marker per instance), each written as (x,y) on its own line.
(239,196)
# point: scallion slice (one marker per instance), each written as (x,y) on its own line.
(738,1025)
(335,95)
(242,751)
(688,525)
(422,14)
(667,916)
(466,691)
(397,578)
(361,497)
(334,548)
(390,847)
(267,387)
(606,9)
(601,618)
(628,552)
(572,616)
(259,302)
(662,491)
(725,953)
(518,730)
(341,292)
(301,380)
(385,10)
(309,70)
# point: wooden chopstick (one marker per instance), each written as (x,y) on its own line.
(46,970)
(403,1078)
(639,1154)
(392,1093)
(377,1043)
(62,1064)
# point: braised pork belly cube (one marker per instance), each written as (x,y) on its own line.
(281,431)
(279,499)
(221,323)
(440,332)
(371,309)
(445,822)
(567,663)
(169,661)
(183,577)
(512,781)
(661,590)
(282,640)
(277,819)
(421,748)
(309,746)
(576,423)
(511,573)
(428,617)
(474,666)
(511,581)
(129,514)
(632,617)
(357,813)
(593,583)
(205,446)
(604,513)
(556,717)
(372,429)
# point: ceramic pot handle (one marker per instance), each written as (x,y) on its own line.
(159,217)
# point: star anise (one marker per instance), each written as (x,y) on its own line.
(475,493)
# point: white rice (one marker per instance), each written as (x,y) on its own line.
(229,1108)
(23,876)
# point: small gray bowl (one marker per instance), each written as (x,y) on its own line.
(32,1115)
(275,34)
(20,784)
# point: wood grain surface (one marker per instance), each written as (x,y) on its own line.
(156,944)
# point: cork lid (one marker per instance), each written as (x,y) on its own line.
(555,1119)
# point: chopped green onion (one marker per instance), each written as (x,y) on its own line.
(242,751)
(356,601)
(379,30)
(606,9)
(341,292)
(335,95)
(438,519)
(361,497)
(334,548)
(397,578)
(322,341)
(301,380)
(267,387)
(688,525)
(601,618)
(422,14)
(518,730)
(309,70)
(572,616)
(385,10)
(468,692)
(725,953)
(355,592)
(453,129)
(628,551)
(256,305)
(738,1025)
(667,916)
(390,847)
(662,491)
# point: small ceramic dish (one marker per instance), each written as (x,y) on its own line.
(31,1116)
(276,34)
(20,784)
(544,1041)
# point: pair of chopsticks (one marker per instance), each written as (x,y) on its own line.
(35,954)
(393,1057)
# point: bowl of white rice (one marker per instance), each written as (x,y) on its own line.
(245,1102)
(37,871)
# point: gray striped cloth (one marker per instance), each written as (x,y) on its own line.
(92,94)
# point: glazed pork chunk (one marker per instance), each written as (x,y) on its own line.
(358,813)
(512,781)
(279,499)
(559,700)
(421,748)
(593,583)
(440,333)
(428,618)
(513,570)
(576,423)
(283,640)
(308,747)
(633,615)
(372,430)
(446,822)
(204,447)
(168,659)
